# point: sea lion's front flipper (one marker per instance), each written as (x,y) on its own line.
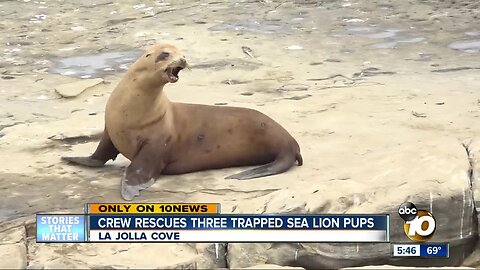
(146,166)
(104,152)
(131,188)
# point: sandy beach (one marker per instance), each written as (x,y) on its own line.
(382,96)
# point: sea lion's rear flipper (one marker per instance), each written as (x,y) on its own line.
(146,166)
(281,164)
(104,152)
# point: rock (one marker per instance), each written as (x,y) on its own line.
(397,267)
(474,259)
(13,235)
(163,256)
(272,266)
(435,181)
(76,138)
(473,150)
(14,256)
(294,47)
(376,159)
(105,256)
(299,97)
(13,247)
(293,88)
(226,64)
(413,169)
(233,82)
(74,89)
(241,255)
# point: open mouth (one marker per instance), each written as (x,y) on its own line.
(172,73)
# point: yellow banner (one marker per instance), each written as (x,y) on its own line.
(153,208)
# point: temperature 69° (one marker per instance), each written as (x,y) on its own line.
(433,250)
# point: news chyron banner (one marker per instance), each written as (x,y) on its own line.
(203,223)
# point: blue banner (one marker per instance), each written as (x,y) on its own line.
(239,222)
(60,228)
(434,250)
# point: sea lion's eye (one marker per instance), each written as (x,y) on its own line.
(147,55)
(162,56)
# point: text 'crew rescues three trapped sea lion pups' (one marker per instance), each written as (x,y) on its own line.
(163,137)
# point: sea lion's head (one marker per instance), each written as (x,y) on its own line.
(159,65)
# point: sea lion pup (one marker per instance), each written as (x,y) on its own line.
(163,137)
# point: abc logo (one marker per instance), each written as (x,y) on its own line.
(419,225)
